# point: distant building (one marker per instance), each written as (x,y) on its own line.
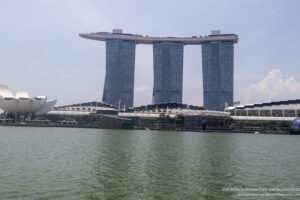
(171,110)
(85,108)
(168,72)
(217,61)
(22,103)
(164,106)
(289,108)
(217,65)
(119,79)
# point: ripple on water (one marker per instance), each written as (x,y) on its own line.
(60,163)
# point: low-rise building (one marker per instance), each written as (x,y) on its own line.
(272,111)
(22,104)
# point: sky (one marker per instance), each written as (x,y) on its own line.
(41,52)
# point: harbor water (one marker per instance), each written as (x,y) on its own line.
(70,163)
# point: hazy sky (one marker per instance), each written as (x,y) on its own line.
(41,52)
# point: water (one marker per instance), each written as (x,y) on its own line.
(67,163)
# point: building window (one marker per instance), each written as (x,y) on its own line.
(241,112)
(253,112)
(289,113)
(277,113)
(265,113)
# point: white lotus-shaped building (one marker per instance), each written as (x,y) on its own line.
(22,103)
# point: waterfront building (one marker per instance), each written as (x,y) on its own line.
(217,56)
(119,79)
(85,108)
(217,67)
(289,108)
(22,103)
(172,110)
(168,72)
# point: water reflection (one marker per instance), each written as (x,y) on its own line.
(156,164)
(57,163)
(219,165)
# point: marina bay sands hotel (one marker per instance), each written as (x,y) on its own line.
(217,67)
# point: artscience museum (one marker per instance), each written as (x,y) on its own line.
(23,104)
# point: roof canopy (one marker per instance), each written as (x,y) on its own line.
(5,92)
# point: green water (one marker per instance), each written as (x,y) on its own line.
(67,163)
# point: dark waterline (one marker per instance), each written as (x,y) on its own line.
(67,163)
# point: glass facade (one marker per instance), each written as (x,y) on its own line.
(168,72)
(119,78)
(217,66)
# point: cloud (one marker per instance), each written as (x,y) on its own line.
(272,88)
(142,89)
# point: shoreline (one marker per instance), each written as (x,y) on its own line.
(95,126)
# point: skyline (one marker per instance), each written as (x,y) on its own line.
(40,44)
